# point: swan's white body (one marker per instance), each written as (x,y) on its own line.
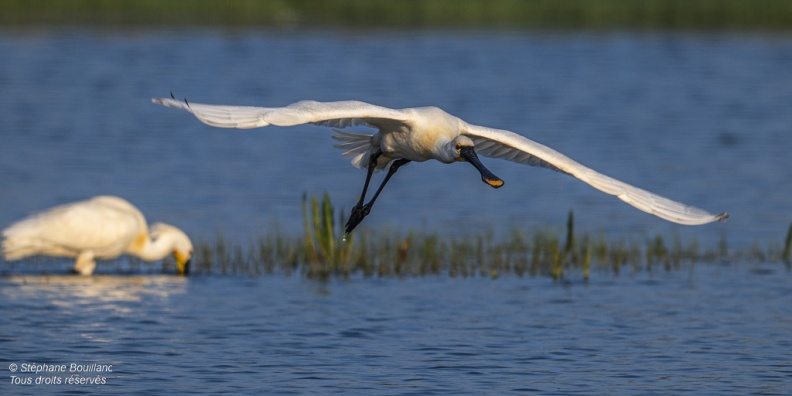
(424,133)
(102,227)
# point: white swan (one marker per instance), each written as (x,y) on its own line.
(426,133)
(102,227)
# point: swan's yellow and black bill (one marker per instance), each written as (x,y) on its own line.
(469,155)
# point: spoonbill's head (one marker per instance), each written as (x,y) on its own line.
(180,243)
(465,151)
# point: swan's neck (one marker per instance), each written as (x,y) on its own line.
(155,250)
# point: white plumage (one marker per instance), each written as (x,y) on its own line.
(103,227)
(424,133)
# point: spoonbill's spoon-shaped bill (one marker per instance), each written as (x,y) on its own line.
(102,227)
(429,133)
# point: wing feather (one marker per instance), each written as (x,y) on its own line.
(508,145)
(356,145)
(331,114)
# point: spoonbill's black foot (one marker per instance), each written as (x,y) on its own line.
(357,215)
(354,220)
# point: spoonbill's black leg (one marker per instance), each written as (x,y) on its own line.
(372,165)
(360,211)
(356,216)
(393,168)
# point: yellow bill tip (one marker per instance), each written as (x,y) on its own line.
(494,183)
(182,262)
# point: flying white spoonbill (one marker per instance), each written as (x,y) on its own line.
(426,133)
(102,227)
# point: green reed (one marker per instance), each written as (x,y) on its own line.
(787,246)
(323,250)
(587,14)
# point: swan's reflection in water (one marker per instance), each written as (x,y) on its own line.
(107,295)
(102,319)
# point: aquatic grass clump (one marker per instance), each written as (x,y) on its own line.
(324,251)
(221,257)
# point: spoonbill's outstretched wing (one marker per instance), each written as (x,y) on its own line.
(332,114)
(496,143)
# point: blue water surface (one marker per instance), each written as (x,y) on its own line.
(711,329)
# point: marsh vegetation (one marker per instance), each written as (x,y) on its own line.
(324,251)
(509,14)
